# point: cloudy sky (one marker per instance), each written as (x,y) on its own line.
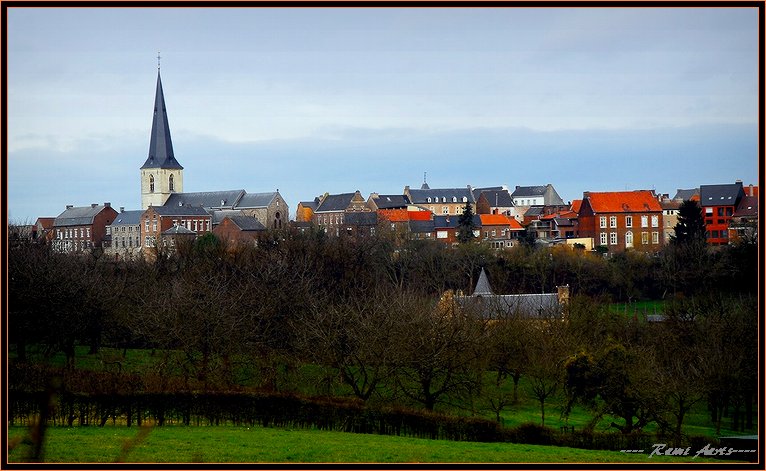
(314,100)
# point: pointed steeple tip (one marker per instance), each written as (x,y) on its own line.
(482,286)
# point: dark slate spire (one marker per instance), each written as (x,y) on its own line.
(482,286)
(160,146)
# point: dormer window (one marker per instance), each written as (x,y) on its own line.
(454,199)
(429,199)
(465,199)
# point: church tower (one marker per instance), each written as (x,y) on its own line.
(161,174)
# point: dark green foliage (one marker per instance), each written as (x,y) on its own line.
(691,225)
(465,225)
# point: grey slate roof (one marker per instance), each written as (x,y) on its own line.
(721,195)
(482,286)
(160,145)
(256,200)
(221,214)
(442,222)
(391,201)
(206,199)
(128,218)
(247,223)
(552,198)
(444,194)
(496,197)
(178,229)
(309,204)
(360,218)
(683,195)
(534,211)
(180,210)
(421,226)
(79,216)
(748,206)
(529,191)
(335,202)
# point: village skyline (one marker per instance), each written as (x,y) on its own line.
(309,101)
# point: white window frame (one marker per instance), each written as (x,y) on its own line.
(655,237)
(612,221)
(628,221)
(602,238)
(629,239)
(612,238)
(655,221)
(644,221)
(602,222)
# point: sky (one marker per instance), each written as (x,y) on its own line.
(314,100)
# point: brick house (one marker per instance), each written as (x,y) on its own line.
(42,230)
(744,221)
(622,220)
(718,204)
(158,219)
(446,227)
(331,212)
(269,208)
(496,200)
(239,229)
(80,229)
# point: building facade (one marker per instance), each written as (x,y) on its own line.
(81,229)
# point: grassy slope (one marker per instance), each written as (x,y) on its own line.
(250,445)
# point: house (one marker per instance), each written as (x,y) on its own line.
(496,200)
(499,231)
(442,201)
(158,219)
(422,230)
(718,204)
(670,209)
(176,235)
(446,227)
(485,303)
(536,196)
(239,229)
(305,210)
(561,225)
(620,220)
(360,224)
(124,235)
(744,221)
(692,194)
(331,212)
(42,230)
(80,229)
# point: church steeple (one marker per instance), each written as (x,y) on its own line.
(161,174)
(482,286)
(160,145)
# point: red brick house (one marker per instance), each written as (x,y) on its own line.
(239,230)
(620,220)
(158,219)
(80,229)
(719,202)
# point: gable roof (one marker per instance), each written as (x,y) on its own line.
(391,201)
(622,201)
(482,285)
(748,206)
(497,197)
(721,195)
(160,145)
(420,215)
(549,194)
(685,195)
(128,218)
(218,215)
(180,210)
(335,202)
(45,222)
(206,199)
(529,191)
(495,220)
(79,216)
(246,223)
(576,204)
(310,204)
(256,200)
(369,218)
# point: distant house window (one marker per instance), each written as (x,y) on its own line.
(612,238)
(655,237)
(465,199)
(441,234)
(154,226)
(445,209)
(146,225)
(444,199)
(628,221)
(171,184)
(612,221)
(493,232)
(644,238)
(644,221)
(454,199)
(428,199)
(151,183)
(655,221)
(602,238)
(709,211)
(602,222)
(87,232)
(629,239)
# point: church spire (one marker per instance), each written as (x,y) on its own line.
(482,286)
(160,146)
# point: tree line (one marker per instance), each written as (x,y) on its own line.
(362,317)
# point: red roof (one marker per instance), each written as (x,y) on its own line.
(420,215)
(47,223)
(623,201)
(576,206)
(499,220)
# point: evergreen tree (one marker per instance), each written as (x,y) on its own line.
(465,225)
(691,225)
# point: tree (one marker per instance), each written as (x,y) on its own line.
(691,225)
(465,225)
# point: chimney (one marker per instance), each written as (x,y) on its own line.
(122,209)
(585,194)
(69,206)
(750,190)
(107,205)
(93,205)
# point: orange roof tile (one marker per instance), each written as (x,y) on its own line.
(576,205)
(623,201)
(420,215)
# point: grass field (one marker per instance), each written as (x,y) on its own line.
(268,445)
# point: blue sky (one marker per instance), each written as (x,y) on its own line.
(314,100)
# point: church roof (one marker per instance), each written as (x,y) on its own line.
(160,145)
(247,223)
(256,200)
(206,199)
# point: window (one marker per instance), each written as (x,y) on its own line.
(494,232)
(603,238)
(428,199)
(151,183)
(445,209)
(465,199)
(644,221)
(154,226)
(644,238)
(724,233)
(441,234)
(720,211)
(454,199)
(655,237)
(628,221)
(629,239)
(444,199)
(602,222)
(146,225)
(612,238)
(612,221)
(87,232)
(709,211)
(486,234)
(655,221)
(195,225)
(729,211)
(171,185)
